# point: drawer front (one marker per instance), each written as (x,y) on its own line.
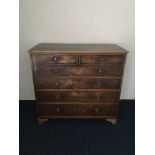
(54,59)
(71,83)
(102,70)
(101,59)
(76,110)
(99,83)
(55,83)
(78,96)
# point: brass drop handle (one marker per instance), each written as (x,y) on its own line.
(100,70)
(58,109)
(96,109)
(55,58)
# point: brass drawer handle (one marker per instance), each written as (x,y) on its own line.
(97,109)
(100,70)
(55,59)
(58,109)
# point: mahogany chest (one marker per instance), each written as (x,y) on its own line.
(77,80)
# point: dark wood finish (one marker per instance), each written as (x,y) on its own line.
(56,48)
(102,70)
(72,83)
(77,80)
(101,59)
(77,96)
(76,110)
(55,59)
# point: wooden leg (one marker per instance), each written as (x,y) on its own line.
(42,120)
(113,121)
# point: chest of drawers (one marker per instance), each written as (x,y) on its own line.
(77,80)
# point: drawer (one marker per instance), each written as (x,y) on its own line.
(99,83)
(101,70)
(101,59)
(55,83)
(108,96)
(40,59)
(80,83)
(76,110)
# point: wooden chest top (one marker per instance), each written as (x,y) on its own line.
(78,48)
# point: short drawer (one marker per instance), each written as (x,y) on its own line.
(101,70)
(101,59)
(76,110)
(44,59)
(80,83)
(107,96)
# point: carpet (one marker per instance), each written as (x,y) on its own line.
(79,136)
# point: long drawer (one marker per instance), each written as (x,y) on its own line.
(80,83)
(76,110)
(101,70)
(78,96)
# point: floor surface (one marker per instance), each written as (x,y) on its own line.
(77,137)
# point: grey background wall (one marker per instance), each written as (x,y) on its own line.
(76,21)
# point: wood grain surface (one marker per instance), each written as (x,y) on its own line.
(77,80)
